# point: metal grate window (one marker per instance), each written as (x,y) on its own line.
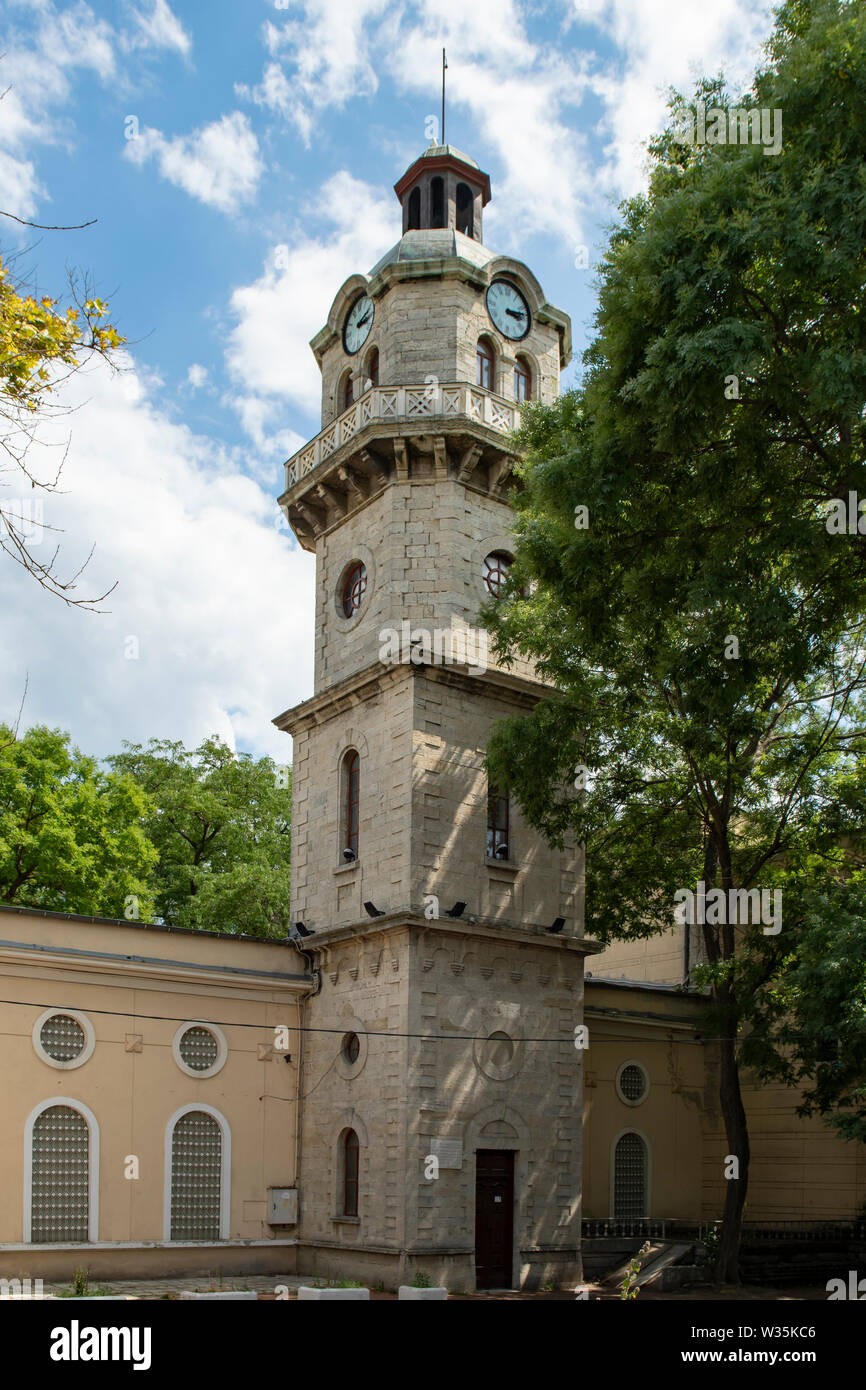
(59,1169)
(62,1037)
(629,1177)
(199,1049)
(196,1162)
(632,1083)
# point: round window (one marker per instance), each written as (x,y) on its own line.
(353,589)
(351,1047)
(499,1049)
(62,1037)
(632,1083)
(495,571)
(200,1049)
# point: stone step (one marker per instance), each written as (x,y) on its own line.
(660,1255)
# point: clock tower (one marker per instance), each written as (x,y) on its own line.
(441,1091)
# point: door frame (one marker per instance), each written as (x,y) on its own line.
(503,1147)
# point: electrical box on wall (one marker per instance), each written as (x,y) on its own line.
(282,1206)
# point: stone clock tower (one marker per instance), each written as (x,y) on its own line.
(441,1091)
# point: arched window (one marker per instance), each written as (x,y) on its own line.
(414,210)
(349,1163)
(437,202)
(373,367)
(63,1174)
(522,380)
(630,1176)
(351,789)
(484,364)
(497,824)
(464,209)
(346,393)
(197,1177)
(354,588)
(495,571)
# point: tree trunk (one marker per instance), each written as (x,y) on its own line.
(727,1269)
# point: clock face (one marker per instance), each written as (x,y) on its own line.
(508,309)
(359,321)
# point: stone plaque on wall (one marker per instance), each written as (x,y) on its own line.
(448,1151)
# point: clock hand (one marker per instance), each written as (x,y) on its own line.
(364,319)
(516,313)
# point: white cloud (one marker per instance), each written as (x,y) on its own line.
(37,74)
(330,47)
(196,376)
(19,187)
(219,163)
(161,28)
(219,598)
(519,91)
(662,44)
(268,353)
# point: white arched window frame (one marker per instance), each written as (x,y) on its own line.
(92,1164)
(225,1168)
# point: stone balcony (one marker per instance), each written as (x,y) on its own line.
(404,432)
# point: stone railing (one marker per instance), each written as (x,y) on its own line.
(382,404)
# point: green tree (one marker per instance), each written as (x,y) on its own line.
(71,837)
(809,1018)
(221,828)
(705,628)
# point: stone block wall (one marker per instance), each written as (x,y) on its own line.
(427,324)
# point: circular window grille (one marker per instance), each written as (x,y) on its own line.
(354,588)
(199,1049)
(62,1037)
(351,1047)
(496,567)
(499,1049)
(632,1083)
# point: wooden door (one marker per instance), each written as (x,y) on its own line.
(494,1218)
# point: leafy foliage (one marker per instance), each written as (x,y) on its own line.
(705,630)
(220,824)
(71,836)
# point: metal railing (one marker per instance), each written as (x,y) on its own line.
(676,1228)
(450,401)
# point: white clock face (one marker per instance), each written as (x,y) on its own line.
(359,321)
(508,309)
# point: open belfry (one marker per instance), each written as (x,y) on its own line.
(447,936)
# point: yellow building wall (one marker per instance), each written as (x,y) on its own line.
(137,986)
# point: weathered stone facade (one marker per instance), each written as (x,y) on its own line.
(420,499)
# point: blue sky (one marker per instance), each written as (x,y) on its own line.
(266,141)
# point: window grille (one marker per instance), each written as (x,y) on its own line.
(495,571)
(629,1177)
(199,1049)
(522,380)
(59,1206)
(632,1083)
(354,588)
(352,801)
(62,1037)
(196,1162)
(484,365)
(350,1173)
(497,824)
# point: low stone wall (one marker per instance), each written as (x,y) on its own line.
(58,1263)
